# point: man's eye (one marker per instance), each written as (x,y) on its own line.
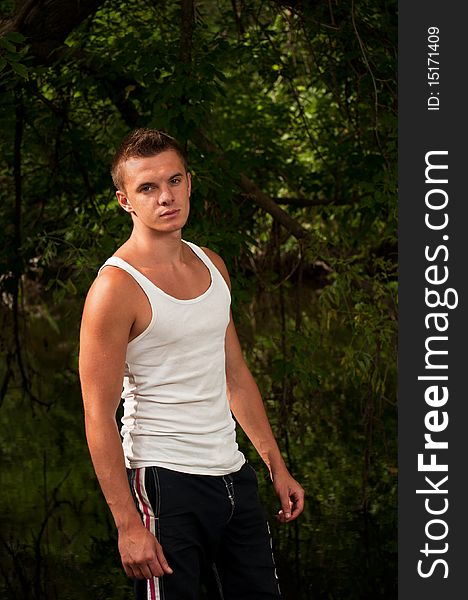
(176,181)
(145,188)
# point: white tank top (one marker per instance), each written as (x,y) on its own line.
(176,411)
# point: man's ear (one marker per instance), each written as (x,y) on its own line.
(189,183)
(124,201)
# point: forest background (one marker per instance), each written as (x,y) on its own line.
(288,114)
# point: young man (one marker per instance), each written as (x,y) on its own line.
(157,321)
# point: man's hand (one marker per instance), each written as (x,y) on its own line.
(290,494)
(141,553)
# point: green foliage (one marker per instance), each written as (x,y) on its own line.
(13,54)
(303,104)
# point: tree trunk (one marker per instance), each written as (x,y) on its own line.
(47,23)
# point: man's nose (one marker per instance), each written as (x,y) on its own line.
(166,196)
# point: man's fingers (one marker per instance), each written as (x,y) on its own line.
(159,565)
(280,516)
(142,554)
(297,504)
(284,514)
(292,504)
(128,571)
(286,508)
(137,570)
(136,573)
(146,571)
(162,561)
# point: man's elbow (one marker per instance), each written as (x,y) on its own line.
(96,416)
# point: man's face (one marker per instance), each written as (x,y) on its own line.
(157,191)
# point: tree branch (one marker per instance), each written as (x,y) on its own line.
(186,32)
(22,13)
(270,206)
(262,199)
(47,23)
(306,202)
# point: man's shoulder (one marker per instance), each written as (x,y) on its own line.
(110,303)
(113,284)
(218,263)
(212,255)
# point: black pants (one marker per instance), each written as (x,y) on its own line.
(212,530)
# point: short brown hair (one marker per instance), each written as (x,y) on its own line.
(142,143)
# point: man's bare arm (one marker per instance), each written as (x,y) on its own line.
(248,408)
(105,328)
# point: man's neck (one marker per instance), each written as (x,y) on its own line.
(148,250)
